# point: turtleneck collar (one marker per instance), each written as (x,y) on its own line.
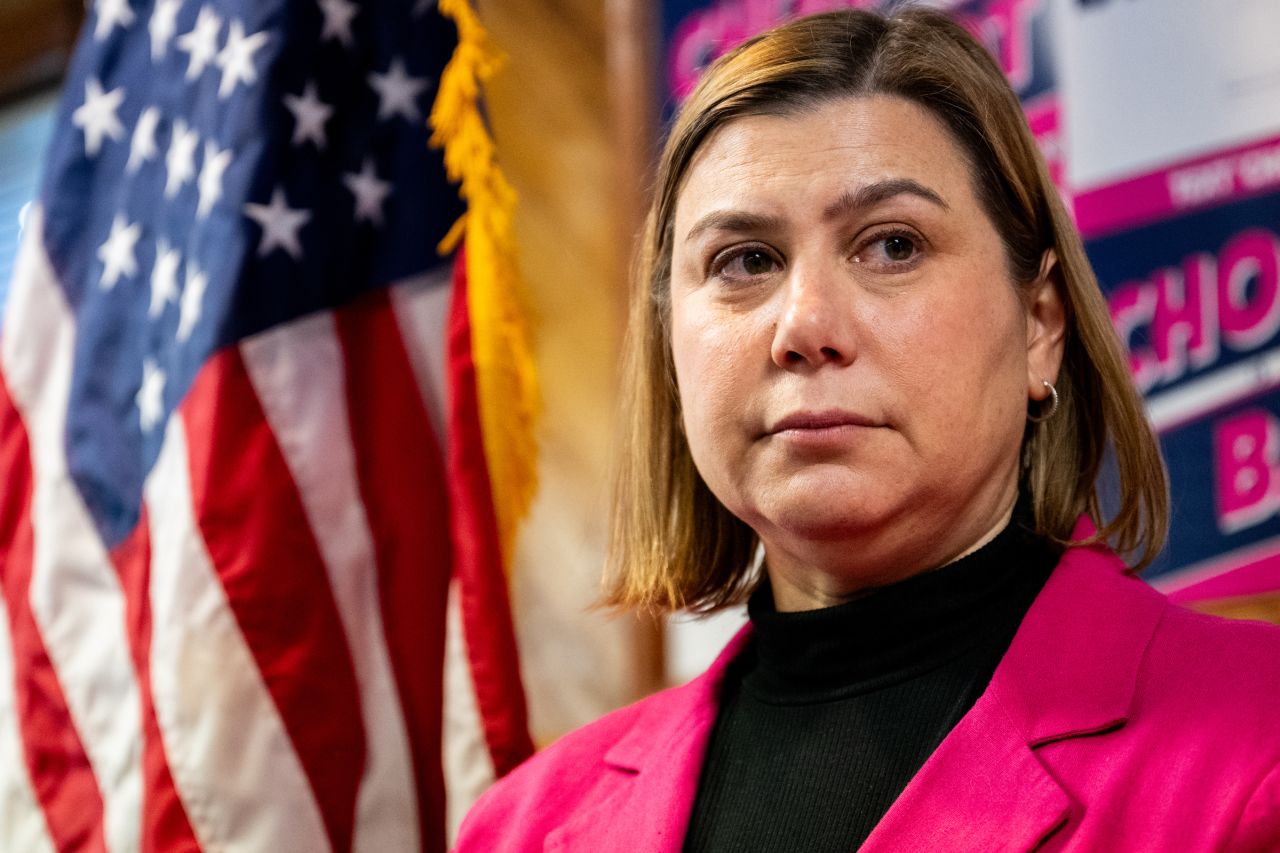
(898,631)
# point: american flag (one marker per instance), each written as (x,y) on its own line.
(251,588)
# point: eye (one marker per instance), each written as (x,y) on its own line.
(756,263)
(744,263)
(891,250)
(898,248)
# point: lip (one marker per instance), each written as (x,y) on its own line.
(814,423)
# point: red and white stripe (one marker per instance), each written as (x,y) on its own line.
(20,814)
(261,665)
(78,707)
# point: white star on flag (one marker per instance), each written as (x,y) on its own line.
(210,181)
(201,44)
(280,224)
(162,26)
(164,278)
(111,14)
(423,6)
(117,254)
(370,193)
(337,20)
(192,301)
(97,115)
(150,396)
(142,147)
(397,91)
(236,58)
(309,115)
(181,159)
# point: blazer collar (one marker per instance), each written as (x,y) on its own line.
(652,771)
(1070,672)
(690,708)
(1072,668)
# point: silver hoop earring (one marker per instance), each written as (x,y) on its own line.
(1053,405)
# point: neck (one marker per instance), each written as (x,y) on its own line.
(811,585)
(917,622)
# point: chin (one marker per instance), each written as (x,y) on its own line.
(825,521)
(827,503)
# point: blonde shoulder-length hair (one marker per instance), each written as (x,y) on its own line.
(673,546)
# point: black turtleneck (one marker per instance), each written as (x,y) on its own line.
(828,714)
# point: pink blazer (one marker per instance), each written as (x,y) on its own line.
(1115,722)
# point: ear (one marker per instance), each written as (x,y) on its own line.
(1046,326)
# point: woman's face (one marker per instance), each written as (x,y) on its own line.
(854,360)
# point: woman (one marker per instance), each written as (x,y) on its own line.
(869,348)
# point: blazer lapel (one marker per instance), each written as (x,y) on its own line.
(1072,669)
(982,789)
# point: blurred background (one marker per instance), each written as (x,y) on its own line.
(1159,118)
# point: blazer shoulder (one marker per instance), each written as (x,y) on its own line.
(1219,669)
(1219,647)
(1187,652)
(520,809)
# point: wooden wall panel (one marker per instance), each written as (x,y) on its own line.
(1262,607)
(36,37)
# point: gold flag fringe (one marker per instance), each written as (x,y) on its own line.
(506,381)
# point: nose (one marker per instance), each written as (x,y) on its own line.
(816,326)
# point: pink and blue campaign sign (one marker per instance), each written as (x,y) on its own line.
(1160,120)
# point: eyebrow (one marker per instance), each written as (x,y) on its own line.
(849,201)
(734,220)
(879,192)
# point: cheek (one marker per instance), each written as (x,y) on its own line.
(711,354)
(698,355)
(962,362)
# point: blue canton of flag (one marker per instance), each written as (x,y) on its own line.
(243,164)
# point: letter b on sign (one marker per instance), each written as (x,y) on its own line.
(1247,447)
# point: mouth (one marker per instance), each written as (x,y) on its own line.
(819,423)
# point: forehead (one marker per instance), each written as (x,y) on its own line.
(834,145)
